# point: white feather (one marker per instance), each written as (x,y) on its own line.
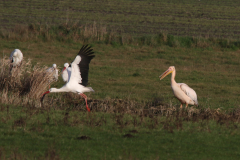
(75,76)
(77,60)
(65,73)
(188,91)
(17,57)
(69,71)
(54,71)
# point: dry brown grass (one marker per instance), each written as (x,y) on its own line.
(23,84)
(151,114)
(64,32)
(50,154)
(97,32)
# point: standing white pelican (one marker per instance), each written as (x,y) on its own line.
(54,71)
(181,91)
(78,77)
(65,72)
(16,58)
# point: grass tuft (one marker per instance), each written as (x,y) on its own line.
(23,84)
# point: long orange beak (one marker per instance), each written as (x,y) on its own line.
(63,69)
(167,72)
(44,95)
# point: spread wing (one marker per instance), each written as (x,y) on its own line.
(80,65)
(189,92)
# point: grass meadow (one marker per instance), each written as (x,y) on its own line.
(132,72)
(189,18)
(133,114)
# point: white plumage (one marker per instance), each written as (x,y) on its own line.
(65,72)
(54,71)
(16,58)
(77,75)
(181,91)
(189,92)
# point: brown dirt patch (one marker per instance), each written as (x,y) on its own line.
(128,136)
(83,138)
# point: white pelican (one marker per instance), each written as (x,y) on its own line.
(77,75)
(181,91)
(16,58)
(54,71)
(65,72)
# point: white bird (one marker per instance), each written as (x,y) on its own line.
(65,72)
(181,91)
(54,71)
(78,75)
(16,58)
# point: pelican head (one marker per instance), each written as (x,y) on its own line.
(167,72)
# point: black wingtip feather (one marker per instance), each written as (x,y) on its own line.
(86,50)
(86,53)
(83,48)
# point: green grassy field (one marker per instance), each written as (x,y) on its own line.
(69,133)
(128,72)
(134,114)
(132,72)
(193,18)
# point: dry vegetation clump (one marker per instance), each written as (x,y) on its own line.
(64,32)
(115,106)
(23,84)
(151,114)
(50,154)
(167,116)
(121,114)
(137,110)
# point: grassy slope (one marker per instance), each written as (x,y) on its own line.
(128,72)
(36,136)
(104,144)
(131,72)
(193,18)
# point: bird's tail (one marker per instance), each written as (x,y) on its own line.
(196,104)
(88,89)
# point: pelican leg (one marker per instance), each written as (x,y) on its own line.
(181,106)
(186,105)
(85,97)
